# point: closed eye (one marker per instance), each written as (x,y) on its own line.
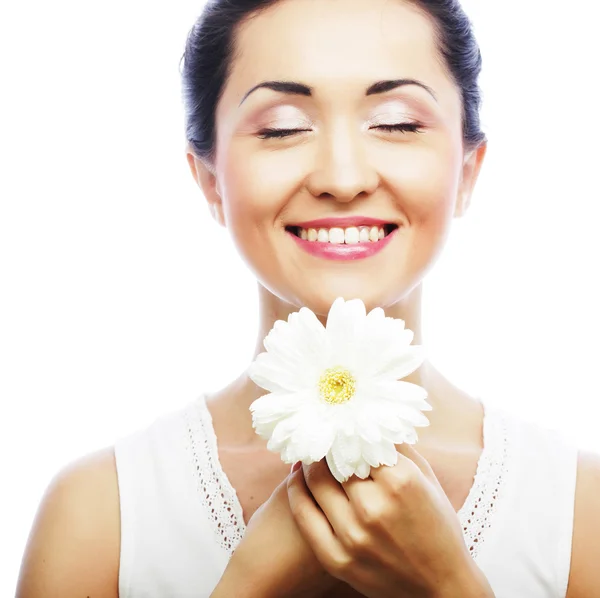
(402,127)
(271,133)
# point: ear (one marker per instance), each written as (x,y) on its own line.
(204,175)
(470,172)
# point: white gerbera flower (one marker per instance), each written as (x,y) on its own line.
(335,392)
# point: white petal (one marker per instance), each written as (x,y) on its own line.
(336,311)
(369,431)
(289,454)
(271,374)
(395,421)
(264,426)
(283,431)
(392,343)
(311,323)
(355,310)
(399,431)
(387,454)
(335,472)
(372,452)
(344,325)
(270,409)
(406,413)
(376,314)
(341,469)
(343,419)
(288,346)
(363,469)
(346,448)
(297,347)
(304,328)
(382,452)
(278,404)
(313,439)
(385,409)
(345,457)
(403,365)
(410,439)
(393,390)
(382,340)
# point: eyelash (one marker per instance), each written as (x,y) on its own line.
(280,133)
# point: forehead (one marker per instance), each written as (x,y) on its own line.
(337,46)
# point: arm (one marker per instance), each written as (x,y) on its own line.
(273,560)
(73,547)
(584,578)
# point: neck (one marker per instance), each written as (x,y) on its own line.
(445,399)
(272,308)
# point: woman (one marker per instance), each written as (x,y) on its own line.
(323,115)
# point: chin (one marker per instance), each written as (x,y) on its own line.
(321,297)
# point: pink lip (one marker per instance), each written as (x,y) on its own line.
(343,222)
(341,251)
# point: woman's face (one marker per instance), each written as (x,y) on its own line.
(339,160)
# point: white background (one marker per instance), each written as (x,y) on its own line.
(121,299)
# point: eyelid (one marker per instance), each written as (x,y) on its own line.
(282,115)
(276,124)
(393,109)
(391,117)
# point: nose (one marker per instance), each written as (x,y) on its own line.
(342,169)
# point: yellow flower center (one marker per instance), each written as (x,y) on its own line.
(337,385)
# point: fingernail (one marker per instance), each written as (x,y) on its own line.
(296,466)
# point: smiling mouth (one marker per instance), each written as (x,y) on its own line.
(349,235)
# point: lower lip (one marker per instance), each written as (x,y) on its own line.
(341,251)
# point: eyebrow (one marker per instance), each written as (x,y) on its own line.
(294,88)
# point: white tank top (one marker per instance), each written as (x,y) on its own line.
(181,518)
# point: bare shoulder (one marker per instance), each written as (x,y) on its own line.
(74,544)
(584,578)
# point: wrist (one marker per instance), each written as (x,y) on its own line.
(469,582)
(241,582)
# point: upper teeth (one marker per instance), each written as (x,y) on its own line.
(352,234)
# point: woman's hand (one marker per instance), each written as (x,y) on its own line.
(273,560)
(395,534)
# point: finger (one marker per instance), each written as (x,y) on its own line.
(329,495)
(312,522)
(405,467)
(406,451)
(358,490)
(410,452)
(413,454)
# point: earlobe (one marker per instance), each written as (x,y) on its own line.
(470,173)
(206,179)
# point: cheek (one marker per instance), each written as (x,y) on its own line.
(257,185)
(426,183)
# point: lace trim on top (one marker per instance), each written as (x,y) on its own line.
(225,511)
(216,492)
(477,512)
